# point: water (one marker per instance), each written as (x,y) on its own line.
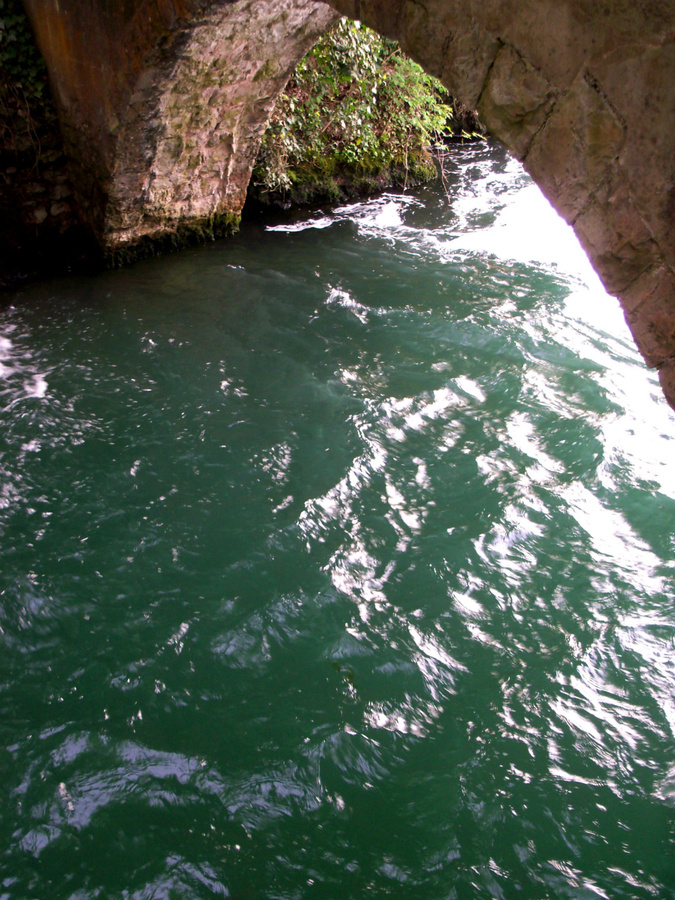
(337,562)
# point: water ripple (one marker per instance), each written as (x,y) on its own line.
(337,560)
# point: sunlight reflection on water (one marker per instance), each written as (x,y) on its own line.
(339,553)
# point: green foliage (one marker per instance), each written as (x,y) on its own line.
(20,60)
(355,105)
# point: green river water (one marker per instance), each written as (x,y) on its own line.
(337,561)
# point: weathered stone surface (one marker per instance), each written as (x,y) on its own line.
(667,377)
(39,215)
(190,141)
(58,209)
(639,81)
(163,102)
(614,235)
(648,305)
(516,99)
(577,149)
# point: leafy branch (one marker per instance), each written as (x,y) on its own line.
(19,56)
(355,106)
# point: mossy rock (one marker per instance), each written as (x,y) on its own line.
(184,233)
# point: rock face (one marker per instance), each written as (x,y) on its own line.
(163,102)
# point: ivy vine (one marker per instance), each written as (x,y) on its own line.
(21,62)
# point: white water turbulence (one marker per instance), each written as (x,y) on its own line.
(518,225)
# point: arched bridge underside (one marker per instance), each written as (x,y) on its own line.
(163,104)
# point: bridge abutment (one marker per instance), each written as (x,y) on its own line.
(163,104)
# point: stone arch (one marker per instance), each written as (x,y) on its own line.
(163,102)
(583,93)
(197,114)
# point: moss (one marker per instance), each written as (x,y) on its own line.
(340,185)
(173,236)
(267,70)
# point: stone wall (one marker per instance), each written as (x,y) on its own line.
(39,217)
